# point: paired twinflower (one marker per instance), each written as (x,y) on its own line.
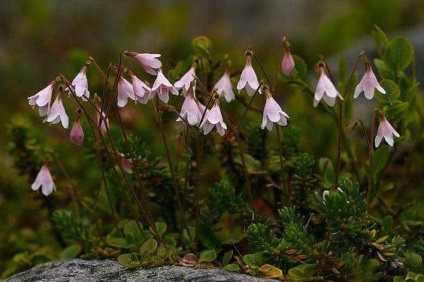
(149,62)
(162,87)
(42,99)
(190,110)
(248,79)
(368,83)
(325,88)
(57,112)
(224,88)
(80,84)
(187,79)
(44,180)
(386,131)
(213,118)
(272,112)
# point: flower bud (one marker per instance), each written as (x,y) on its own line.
(77,134)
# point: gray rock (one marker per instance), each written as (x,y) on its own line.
(109,270)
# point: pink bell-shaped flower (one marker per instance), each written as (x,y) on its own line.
(325,90)
(367,84)
(125,91)
(224,88)
(141,90)
(57,113)
(149,62)
(248,79)
(162,87)
(45,181)
(42,99)
(125,163)
(213,118)
(386,131)
(272,113)
(190,110)
(77,134)
(186,80)
(80,84)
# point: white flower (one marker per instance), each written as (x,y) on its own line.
(190,110)
(162,87)
(80,84)
(325,194)
(326,90)
(213,118)
(367,85)
(386,130)
(42,99)
(125,91)
(224,88)
(45,181)
(273,114)
(57,113)
(140,89)
(149,62)
(248,79)
(185,80)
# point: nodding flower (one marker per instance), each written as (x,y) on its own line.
(213,118)
(80,84)
(149,62)
(368,83)
(386,131)
(190,110)
(125,91)
(325,88)
(57,112)
(248,79)
(162,87)
(44,180)
(42,99)
(186,80)
(224,88)
(272,112)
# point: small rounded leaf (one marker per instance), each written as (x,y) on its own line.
(399,53)
(202,46)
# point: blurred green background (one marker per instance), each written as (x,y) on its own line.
(42,38)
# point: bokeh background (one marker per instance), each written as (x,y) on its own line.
(42,38)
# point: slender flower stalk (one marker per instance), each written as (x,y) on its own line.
(44,180)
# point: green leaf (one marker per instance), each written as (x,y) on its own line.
(70,252)
(207,236)
(380,37)
(255,259)
(383,70)
(327,170)
(129,260)
(227,257)
(397,111)
(207,256)
(300,66)
(399,53)
(148,247)
(116,242)
(233,267)
(392,92)
(132,229)
(381,155)
(161,227)
(202,46)
(300,272)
